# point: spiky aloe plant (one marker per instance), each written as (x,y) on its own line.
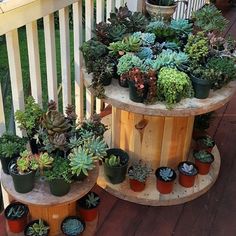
(81,161)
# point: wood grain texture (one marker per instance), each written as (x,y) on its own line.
(150,196)
(157,140)
(41,196)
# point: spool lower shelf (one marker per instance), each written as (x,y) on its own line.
(151,196)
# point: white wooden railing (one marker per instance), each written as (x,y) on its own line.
(15,14)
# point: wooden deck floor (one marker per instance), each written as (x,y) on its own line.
(213,213)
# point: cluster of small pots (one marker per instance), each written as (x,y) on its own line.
(16,214)
(165,176)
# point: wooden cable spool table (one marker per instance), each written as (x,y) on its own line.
(43,205)
(160,137)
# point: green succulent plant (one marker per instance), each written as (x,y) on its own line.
(197,47)
(72,226)
(44,161)
(188,169)
(81,161)
(172,85)
(26,162)
(113,161)
(162,2)
(96,146)
(207,141)
(28,119)
(139,171)
(91,200)
(11,145)
(92,50)
(55,122)
(166,173)
(226,69)
(209,18)
(60,169)
(16,211)
(116,32)
(38,229)
(182,26)
(145,53)
(169,58)
(203,156)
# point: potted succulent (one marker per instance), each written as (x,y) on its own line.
(138,174)
(23,172)
(88,206)
(59,176)
(115,165)
(161,8)
(72,226)
(201,124)
(172,85)
(203,161)
(205,142)
(10,147)
(28,120)
(81,161)
(187,173)
(37,228)
(16,216)
(165,179)
(44,161)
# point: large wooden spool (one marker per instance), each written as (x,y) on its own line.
(43,205)
(157,140)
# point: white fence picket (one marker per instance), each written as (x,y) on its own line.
(65,56)
(15,72)
(110,8)
(89,25)
(50,49)
(100,12)
(2,116)
(34,62)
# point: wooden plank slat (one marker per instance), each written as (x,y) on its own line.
(13,51)
(50,48)
(2,115)
(78,39)
(100,11)
(65,56)
(9,5)
(34,62)
(35,10)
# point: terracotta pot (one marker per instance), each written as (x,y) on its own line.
(203,167)
(164,186)
(136,185)
(164,11)
(185,179)
(16,225)
(88,214)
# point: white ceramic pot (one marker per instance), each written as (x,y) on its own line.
(156,11)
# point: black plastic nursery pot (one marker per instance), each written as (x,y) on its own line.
(117,175)
(134,95)
(5,161)
(16,224)
(26,233)
(59,187)
(23,183)
(164,186)
(201,87)
(72,226)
